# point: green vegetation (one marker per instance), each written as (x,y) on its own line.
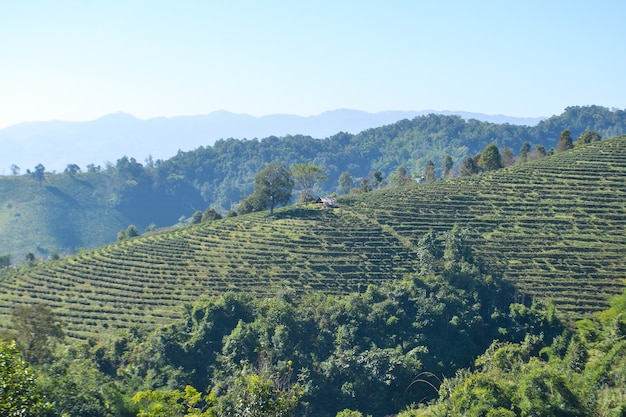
(484,295)
(581,373)
(552,227)
(44,213)
(18,394)
(236,355)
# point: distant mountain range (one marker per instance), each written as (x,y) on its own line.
(55,144)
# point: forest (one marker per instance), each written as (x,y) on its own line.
(406,346)
(453,342)
(499,293)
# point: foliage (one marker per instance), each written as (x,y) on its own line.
(490,158)
(88,209)
(39,173)
(73,386)
(174,403)
(36,331)
(429,172)
(18,394)
(587,137)
(447,167)
(345,182)
(210,214)
(306,177)
(273,186)
(5,260)
(360,352)
(565,141)
(400,177)
(571,377)
(469,166)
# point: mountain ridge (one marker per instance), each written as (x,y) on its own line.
(55,144)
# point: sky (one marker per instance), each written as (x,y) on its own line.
(77,60)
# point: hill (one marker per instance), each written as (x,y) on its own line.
(553,227)
(56,144)
(161,192)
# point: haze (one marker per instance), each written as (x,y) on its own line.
(79,60)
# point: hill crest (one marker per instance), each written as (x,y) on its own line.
(56,144)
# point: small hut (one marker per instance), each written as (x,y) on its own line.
(327,202)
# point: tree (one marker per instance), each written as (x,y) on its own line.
(38,173)
(196,218)
(446,167)
(565,141)
(161,403)
(132,231)
(30,257)
(36,331)
(377,180)
(5,260)
(210,214)
(429,172)
(273,186)
(400,177)
(72,169)
(15,170)
(587,137)
(305,177)
(469,166)
(345,182)
(364,186)
(18,394)
(490,158)
(523,151)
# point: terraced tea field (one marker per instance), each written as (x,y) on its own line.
(146,280)
(554,227)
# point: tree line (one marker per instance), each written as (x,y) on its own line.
(428,147)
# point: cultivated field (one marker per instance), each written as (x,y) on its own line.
(554,227)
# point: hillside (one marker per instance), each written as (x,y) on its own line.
(554,227)
(57,215)
(160,192)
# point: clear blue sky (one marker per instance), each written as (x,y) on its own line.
(81,59)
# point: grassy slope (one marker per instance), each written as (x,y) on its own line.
(555,227)
(57,215)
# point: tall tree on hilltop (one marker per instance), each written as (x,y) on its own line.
(588,137)
(446,167)
(490,158)
(273,186)
(345,182)
(72,169)
(469,166)
(305,177)
(38,173)
(401,177)
(429,172)
(377,179)
(565,141)
(523,152)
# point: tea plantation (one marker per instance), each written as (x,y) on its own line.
(554,227)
